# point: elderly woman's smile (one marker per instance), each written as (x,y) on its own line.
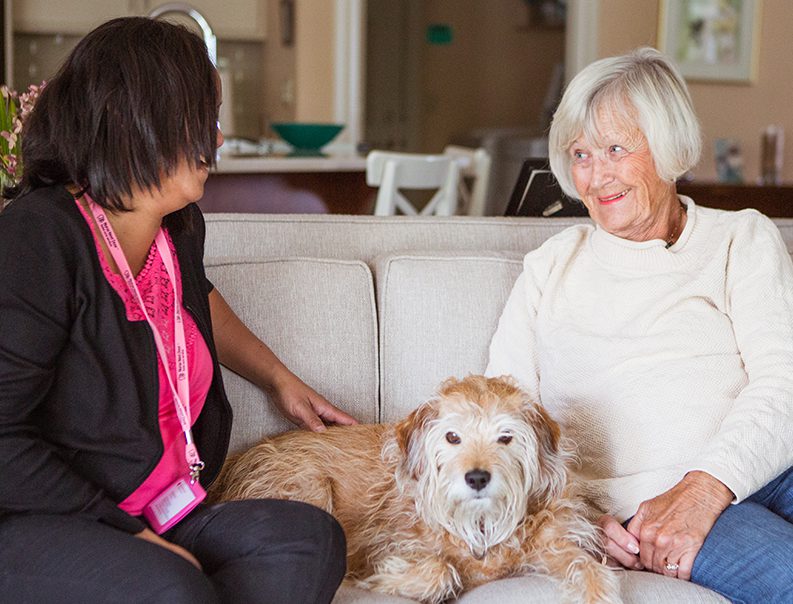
(613,198)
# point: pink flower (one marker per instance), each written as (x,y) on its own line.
(14,110)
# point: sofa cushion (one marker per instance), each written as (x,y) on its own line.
(366,237)
(353,595)
(437,314)
(318,316)
(785,226)
(637,588)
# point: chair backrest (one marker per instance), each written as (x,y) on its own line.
(474,169)
(394,171)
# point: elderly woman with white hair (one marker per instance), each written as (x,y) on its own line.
(661,339)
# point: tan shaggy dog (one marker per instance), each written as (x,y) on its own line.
(471,487)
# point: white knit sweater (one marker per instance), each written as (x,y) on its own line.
(660,361)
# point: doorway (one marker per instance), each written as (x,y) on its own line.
(439,70)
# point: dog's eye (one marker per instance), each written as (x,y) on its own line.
(453,438)
(505,439)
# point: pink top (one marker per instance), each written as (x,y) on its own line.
(157,292)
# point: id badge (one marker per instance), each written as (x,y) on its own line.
(173,504)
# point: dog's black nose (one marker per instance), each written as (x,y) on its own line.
(477,479)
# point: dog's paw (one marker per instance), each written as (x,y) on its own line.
(429,581)
(587,581)
(602,586)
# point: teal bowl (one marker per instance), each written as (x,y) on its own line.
(305,136)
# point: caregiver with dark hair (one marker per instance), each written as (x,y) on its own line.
(113,417)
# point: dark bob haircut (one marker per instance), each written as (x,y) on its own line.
(134,98)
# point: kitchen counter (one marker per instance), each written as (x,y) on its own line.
(282,183)
(283,163)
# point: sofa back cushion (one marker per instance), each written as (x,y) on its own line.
(437,313)
(318,317)
(367,237)
(785,226)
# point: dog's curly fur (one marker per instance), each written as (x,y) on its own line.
(471,487)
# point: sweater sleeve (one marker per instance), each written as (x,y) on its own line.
(36,314)
(513,347)
(752,446)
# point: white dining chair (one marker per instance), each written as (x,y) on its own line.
(474,178)
(393,172)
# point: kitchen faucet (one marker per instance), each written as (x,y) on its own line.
(184,8)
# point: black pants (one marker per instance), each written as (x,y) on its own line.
(251,551)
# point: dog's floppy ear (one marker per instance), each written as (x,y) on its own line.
(551,458)
(408,433)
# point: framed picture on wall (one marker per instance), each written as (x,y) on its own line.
(711,39)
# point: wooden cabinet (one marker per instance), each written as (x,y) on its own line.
(66,16)
(289,193)
(776,202)
(230,19)
(233,19)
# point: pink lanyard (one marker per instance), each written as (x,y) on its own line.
(181,392)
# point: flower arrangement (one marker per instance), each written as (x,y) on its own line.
(14,109)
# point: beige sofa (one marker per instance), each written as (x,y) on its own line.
(374,313)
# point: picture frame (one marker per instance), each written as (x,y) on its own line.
(537,193)
(711,40)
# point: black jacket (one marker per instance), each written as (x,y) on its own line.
(79,386)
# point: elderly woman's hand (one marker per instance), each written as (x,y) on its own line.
(301,405)
(672,527)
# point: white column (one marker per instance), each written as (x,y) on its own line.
(581,35)
(349,69)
